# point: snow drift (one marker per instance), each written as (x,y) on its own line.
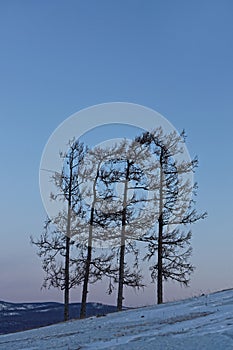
(204,322)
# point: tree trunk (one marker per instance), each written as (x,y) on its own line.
(122,250)
(67,254)
(89,249)
(66,291)
(85,283)
(160,238)
(160,263)
(121,275)
(87,268)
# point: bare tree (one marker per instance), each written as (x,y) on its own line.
(54,245)
(172,187)
(126,215)
(101,265)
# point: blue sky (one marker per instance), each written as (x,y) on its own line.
(58,57)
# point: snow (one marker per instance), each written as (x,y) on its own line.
(199,323)
(4,306)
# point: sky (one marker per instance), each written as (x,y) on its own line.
(58,57)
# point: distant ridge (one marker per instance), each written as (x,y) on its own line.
(15,317)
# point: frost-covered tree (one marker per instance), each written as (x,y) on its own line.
(54,245)
(124,176)
(171,181)
(96,265)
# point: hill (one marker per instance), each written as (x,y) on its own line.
(16,317)
(199,323)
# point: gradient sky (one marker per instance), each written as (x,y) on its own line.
(58,57)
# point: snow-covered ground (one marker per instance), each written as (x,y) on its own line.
(201,323)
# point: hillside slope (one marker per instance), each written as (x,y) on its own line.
(198,323)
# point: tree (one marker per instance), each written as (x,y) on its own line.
(54,245)
(95,266)
(172,189)
(126,215)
